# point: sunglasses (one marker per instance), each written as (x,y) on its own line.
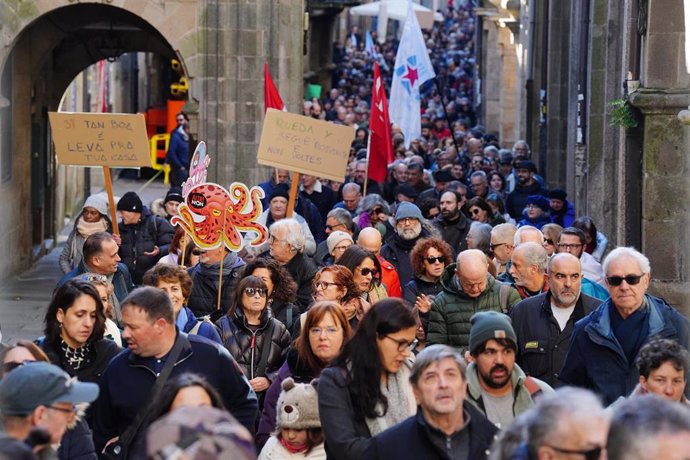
(548,241)
(251,292)
(433,260)
(475,211)
(589,454)
(630,279)
(368,271)
(196,252)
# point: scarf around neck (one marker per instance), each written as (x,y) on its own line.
(86,229)
(401,401)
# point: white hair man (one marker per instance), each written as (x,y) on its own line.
(606,343)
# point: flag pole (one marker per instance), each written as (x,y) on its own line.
(366,177)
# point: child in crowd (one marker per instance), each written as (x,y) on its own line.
(299,433)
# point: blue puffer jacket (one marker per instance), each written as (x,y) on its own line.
(186,321)
(595,358)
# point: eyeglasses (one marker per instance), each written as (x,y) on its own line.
(324,285)
(368,271)
(272,239)
(493,246)
(72,410)
(406,221)
(90,277)
(589,454)
(7,367)
(251,292)
(329,331)
(433,260)
(342,248)
(403,344)
(568,247)
(630,279)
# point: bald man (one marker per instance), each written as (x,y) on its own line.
(528,269)
(467,288)
(544,323)
(370,239)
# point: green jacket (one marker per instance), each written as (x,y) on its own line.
(449,321)
(523,399)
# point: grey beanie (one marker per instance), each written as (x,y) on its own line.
(407,210)
(336,237)
(487,325)
(97,202)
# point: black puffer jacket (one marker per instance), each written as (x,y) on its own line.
(247,346)
(149,232)
(204,297)
(102,351)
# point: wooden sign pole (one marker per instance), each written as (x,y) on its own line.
(220,274)
(293,194)
(111,199)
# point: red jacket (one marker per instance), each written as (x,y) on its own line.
(389,278)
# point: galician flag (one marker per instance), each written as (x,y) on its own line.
(412,69)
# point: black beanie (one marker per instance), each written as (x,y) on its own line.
(281,190)
(130,201)
(174,194)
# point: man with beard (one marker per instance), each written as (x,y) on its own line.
(452,223)
(526,185)
(495,384)
(408,230)
(544,323)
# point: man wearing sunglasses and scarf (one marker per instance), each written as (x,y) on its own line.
(606,343)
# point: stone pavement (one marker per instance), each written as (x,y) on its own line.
(25,297)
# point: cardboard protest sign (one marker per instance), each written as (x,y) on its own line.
(305,145)
(213,216)
(100,139)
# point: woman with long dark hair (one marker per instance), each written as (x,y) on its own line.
(367,389)
(321,339)
(74,328)
(282,289)
(248,328)
(366,272)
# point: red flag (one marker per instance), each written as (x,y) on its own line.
(272,98)
(380,142)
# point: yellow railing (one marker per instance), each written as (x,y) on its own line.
(157,162)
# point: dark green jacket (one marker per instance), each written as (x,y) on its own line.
(452,309)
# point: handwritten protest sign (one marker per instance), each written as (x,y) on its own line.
(305,145)
(100,139)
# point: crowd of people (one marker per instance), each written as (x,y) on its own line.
(459,310)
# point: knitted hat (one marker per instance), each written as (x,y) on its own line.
(406,210)
(487,325)
(558,194)
(280,190)
(335,238)
(298,406)
(98,203)
(174,194)
(130,201)
(199,433)
(538,200)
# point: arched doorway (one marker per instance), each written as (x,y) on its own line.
(44,59)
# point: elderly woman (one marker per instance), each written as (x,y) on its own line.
(537,207)
(92,218)
(481,211)
(663,365)
(325,331)
(355,405)
(337,242)
(429,257)
(74,328)
(373,211)
(479,237)
(282,290)
(552,233)
(177,283)
(248,329)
